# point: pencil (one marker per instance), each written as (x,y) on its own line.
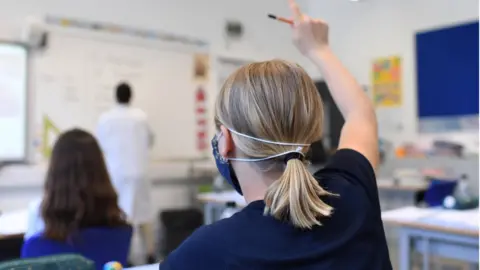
(281,19)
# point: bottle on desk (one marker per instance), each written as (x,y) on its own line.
(462,197)
(230,210)
(463,188)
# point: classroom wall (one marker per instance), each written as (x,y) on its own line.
(368,29)
(263,38)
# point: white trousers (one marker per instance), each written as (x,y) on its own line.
(134,198)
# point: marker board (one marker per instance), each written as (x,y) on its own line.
(75,82)
(447,79)
(13,102)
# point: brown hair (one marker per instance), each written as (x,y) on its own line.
(78,191)
(277,101)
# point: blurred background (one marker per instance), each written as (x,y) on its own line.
(60,62)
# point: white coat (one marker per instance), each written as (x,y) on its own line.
(126,138)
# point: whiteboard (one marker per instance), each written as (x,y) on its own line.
(76,82)
(13,102)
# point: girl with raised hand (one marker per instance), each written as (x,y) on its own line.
(267,115)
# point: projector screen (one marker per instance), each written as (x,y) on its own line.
(13,102)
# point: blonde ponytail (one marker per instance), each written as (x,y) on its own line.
(277,101)
(296,197)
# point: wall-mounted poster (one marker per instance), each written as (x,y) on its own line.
(386,82)
(201,67)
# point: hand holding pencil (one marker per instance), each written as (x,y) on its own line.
(309,35)
(281,19)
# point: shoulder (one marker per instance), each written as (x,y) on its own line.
(348,170)
(138,113)
(138,116)
(350,164)
(350,175)
(204,249)
(105,116)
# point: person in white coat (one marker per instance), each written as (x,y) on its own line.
(126,138)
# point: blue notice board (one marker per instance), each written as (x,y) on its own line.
(447,71)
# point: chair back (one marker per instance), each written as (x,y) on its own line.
(100,245)
(178,225)
(438,190)
(10,247)
(56,262)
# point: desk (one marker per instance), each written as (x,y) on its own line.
(12,227)
(393,195)
(214,202)
(433,231)
(154,266)
(13,223)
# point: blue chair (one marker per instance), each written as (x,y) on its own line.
(438,190)
(100,245)
(55,262)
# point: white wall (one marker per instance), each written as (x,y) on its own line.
(202,19)
(363,31)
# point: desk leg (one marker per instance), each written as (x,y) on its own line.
(426,253)
(208,209)
(404,250)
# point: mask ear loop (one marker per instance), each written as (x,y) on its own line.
(298,150)
(267,141)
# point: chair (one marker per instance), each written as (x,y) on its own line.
(57,262)
(10,247)
(438,190)
(178,224)
(100,245)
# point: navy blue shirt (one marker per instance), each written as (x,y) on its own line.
(352,238)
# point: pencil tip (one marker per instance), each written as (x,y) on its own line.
(272,16)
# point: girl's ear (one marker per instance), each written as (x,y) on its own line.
(225,142)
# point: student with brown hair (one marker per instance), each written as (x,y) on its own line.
(268,114)
(78,193)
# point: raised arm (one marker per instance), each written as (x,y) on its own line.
(360,129)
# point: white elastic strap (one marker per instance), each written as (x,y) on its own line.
(298,150)
(267,141)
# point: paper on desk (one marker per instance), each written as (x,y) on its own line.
(455,218)
(406,214)
(13,222)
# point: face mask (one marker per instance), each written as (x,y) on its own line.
(226,170)
(224,167)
